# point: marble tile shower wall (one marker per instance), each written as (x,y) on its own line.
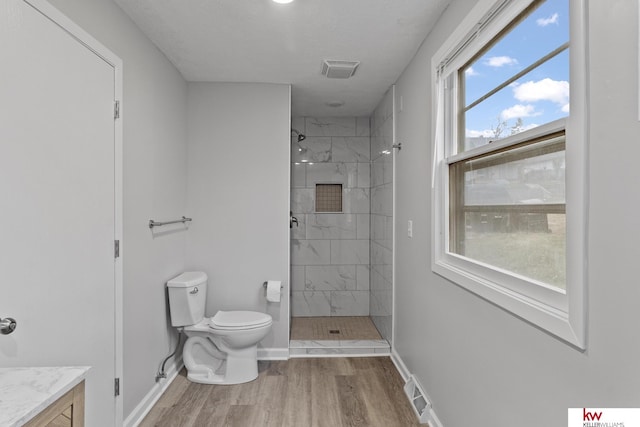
(381,298)
(330,251)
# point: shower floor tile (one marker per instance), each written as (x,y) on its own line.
(333,328)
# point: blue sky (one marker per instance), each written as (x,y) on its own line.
(540,96)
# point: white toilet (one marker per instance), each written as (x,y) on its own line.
(221,349)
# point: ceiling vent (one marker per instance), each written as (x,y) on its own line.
(339,69)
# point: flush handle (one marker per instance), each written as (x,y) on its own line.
(292,220)
(7,325)
(194,291)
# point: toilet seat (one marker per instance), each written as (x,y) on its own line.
(239,320)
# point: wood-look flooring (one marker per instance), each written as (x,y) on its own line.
(330,392)
(333,328)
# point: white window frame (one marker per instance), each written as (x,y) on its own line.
(560,313)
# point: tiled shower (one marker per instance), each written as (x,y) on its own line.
(330,251)
(341,259)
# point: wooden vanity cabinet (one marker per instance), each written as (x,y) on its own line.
(67,411)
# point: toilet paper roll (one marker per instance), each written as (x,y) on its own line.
(273,290)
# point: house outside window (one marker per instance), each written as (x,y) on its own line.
(508,199)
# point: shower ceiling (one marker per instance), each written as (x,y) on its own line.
(261,41)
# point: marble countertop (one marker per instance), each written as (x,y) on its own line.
(25,392)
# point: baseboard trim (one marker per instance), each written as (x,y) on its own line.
(434,421)
(400,366)
(143,408)
(432,418)
(273,353)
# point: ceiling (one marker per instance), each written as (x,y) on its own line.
(262,41)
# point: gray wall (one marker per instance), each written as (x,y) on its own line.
(238,179)
(481,365)
(330,251)
(382,216)
(154,121)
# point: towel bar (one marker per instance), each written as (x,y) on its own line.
(153,223)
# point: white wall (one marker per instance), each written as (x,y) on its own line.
(238,179)
(481,365)
(154,115)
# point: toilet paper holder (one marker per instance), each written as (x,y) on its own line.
(264,285)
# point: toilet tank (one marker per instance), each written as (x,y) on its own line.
(187,298)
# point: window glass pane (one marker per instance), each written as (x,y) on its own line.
(510,211)
(509,178)
(545,29)
(530,251)
(540,96)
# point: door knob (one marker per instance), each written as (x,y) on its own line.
(7,325)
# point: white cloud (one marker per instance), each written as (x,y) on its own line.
(543,22)
(519,111)
(500,61)
(565,108)
(470,72)
(556,91)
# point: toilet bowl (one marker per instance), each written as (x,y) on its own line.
(221,349)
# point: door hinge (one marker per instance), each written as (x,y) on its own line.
(116,109)
(116,249)
(117,386)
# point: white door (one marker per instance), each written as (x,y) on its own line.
(57,211)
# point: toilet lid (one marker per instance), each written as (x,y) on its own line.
(239,319)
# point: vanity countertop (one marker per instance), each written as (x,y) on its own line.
(25,392)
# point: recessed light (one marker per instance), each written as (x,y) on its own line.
(282,1)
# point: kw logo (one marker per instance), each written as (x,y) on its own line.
(590,416)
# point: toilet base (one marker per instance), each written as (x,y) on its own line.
(205,363)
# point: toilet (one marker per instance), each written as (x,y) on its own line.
(221,349)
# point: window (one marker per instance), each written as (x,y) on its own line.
(508,185)
(507,209)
